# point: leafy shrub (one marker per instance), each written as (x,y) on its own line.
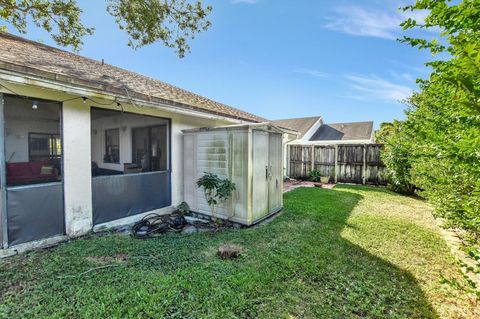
(216,190)
(437,147)
(395,156)
(315,175)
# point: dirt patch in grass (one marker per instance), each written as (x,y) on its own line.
(102,260)
(12,290)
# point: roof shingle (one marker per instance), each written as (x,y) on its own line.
(29,57)
(301,125)
(344,132)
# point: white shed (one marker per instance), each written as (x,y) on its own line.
(250,155)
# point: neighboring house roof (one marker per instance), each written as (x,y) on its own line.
(301,125)
(344,132)
(32,58)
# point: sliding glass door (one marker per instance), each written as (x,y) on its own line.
(149,146)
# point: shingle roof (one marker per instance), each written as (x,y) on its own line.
(301,125)
(29,57)
(344,132)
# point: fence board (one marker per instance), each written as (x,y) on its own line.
(352,167)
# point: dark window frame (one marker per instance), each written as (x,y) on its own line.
(107,155)
(52,137)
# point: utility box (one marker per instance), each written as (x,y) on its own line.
(249,155)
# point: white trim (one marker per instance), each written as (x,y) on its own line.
(312,130)
(274,127)
(32,245)
(332,142)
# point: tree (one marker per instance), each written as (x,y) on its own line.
(172,22)
(440,139)
(460,31)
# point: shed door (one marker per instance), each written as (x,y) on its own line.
(275,172)
(260,176)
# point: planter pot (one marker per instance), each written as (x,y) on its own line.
(324,179)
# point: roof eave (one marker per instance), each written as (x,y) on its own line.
(95,86)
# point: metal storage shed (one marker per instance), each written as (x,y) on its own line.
(250,155)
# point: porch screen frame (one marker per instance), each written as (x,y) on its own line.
(98,220)
(3,173)
(3,179)
(169,135)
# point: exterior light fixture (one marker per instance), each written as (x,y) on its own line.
(35,105)
(84,98)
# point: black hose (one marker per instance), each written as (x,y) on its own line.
(153,225)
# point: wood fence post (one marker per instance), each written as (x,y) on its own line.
(287,160)
(312,158)
(3,182)
(364,166)
(336,164)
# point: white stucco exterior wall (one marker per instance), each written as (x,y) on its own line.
(77,168)
(180,123)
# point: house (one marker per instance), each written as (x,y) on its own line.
(312,130)
(87,145)
(326,139)
(305,126)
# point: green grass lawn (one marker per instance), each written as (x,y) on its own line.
(351,252)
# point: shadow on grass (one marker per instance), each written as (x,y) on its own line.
(296,266)
(351,280)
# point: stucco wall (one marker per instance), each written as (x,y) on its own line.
(77,168)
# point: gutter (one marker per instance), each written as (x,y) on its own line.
(333,142)
(39,82)
(20,75)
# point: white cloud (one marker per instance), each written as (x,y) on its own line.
(245,1)
(376,88)
(312,72)
(360,21)
(404,76)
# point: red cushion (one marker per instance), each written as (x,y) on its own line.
(28,172)
(19,169)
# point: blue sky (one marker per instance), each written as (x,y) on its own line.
(281,58)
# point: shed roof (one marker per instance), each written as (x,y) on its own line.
(32,58)
(301,125)
(344,132)
(268,126)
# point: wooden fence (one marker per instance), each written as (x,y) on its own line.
(359,164)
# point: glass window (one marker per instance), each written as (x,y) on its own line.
(43,146)
(112,146)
